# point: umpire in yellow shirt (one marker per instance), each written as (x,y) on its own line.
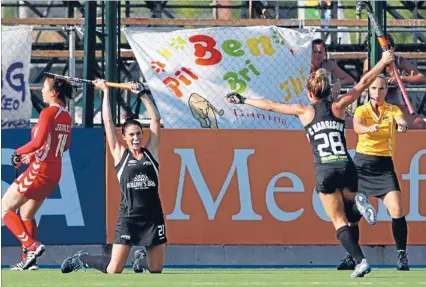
(376,123)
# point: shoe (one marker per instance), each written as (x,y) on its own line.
(347,263)
(361,269)
(140,264)
(402,263)
(33,252)
(20,267)
(74,263)
(17,267)
(365,208)
(33,267)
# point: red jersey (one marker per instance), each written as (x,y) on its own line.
(51,137)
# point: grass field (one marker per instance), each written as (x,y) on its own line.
(215,277)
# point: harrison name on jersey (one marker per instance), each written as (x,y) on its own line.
(325,125)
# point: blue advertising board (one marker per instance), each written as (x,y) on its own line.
(75,212)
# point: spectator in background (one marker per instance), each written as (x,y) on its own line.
(394,96)
(319,59)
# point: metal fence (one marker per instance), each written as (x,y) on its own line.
(58,43)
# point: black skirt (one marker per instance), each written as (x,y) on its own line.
(376,174)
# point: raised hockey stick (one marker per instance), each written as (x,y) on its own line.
(78,80)
(383,42)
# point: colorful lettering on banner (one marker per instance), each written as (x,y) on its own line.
(173,84)
(296,83)
(208,47)
(16,106)
(158,67)
(238,84)
(253,45)
(258,62)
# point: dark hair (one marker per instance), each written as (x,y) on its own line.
(62,88)
(318,84)
(321,42)
(130,122)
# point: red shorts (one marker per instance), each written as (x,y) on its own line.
(39,180)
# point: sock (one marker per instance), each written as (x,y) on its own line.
(355,232)
(17,227)
(399,230)
(345,237)
(30,227)
(99,262)
(355,209)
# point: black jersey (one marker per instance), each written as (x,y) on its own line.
(326,133)
(139,186)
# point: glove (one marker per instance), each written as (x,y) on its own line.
(16,159)
(235,98)
(138,87)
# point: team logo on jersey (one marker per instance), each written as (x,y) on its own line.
(141,181)
(386,118)
(147,163)
(132,162)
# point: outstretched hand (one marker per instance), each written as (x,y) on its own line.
(235,98)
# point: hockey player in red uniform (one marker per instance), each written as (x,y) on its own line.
(50,138)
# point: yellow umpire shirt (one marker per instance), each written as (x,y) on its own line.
(382,142)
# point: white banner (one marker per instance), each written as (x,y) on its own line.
(16,103)
(190,71)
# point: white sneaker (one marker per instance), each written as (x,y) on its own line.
(365,208)
(361,269)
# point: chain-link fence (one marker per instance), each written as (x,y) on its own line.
(171,24)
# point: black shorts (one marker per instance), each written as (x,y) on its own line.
(140,232)
(376,174)
(330,177)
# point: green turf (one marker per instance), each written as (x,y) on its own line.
(216,277)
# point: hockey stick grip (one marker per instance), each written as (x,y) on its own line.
(385,44)
(117,85)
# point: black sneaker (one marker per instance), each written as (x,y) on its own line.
(402,263)
(73,263)
(347,263)
(140,263)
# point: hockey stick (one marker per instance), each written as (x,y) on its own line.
(16,172)
(383,42)
(78,80)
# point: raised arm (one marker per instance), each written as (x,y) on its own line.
(344,78)
(343,102)
(153,144)
(116,148)
(267,105)
(414,76)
